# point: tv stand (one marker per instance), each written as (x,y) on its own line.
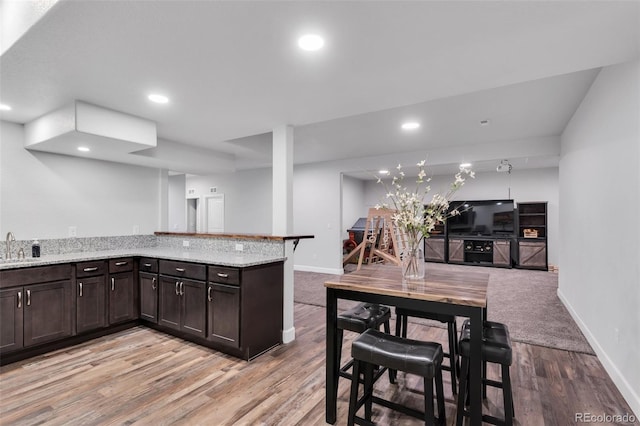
(488,251)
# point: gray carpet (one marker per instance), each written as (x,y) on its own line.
(526,301)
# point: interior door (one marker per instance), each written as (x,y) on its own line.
(215,213)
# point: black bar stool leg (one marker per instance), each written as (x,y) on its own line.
(429,416)
(353,400)
(462,395)
(452,356)
(507,396)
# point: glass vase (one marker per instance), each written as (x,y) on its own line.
(413,264)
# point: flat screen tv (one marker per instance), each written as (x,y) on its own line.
(487,218)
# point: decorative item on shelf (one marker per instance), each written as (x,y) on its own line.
(530,233)
(414,220)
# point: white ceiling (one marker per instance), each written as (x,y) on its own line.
(233,73)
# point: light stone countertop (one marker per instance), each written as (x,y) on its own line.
(211,258)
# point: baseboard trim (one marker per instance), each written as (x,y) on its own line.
(625,388)
(305,268)
(288,335)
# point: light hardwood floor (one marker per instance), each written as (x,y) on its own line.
(144,377)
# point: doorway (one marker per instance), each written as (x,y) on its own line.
(215,213)
(192,215)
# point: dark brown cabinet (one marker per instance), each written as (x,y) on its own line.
(91,303)
(91,295)
(47,312)
(11,336)
(223,313)
(122,291)
(36,306)
(148,280)
(181,298)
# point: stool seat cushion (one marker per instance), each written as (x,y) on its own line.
(496,343)
(398,353)
(445,318)
(363,316)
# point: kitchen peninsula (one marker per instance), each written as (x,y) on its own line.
(222,291)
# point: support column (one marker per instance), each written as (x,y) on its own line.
(282,209)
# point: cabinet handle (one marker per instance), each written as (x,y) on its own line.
(180,269)
(19,299)
(221,275)
(209,294)
(181,288)
(95,268)
(80,289)
(147,265)
(177,285)
(121,263)
(153,283)
(28,297)
(113,284)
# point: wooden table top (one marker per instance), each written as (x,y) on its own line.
(467,288)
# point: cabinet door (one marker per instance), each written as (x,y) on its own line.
(121,298)
(47,312)
(194,307)
(149,297)
(434,249)
(502,253)
(169,302)
(91,303)
(532,255)
(456,250)
(223,316)
(11,302)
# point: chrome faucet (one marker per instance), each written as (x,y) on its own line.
(10,238)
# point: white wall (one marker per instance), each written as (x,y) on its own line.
(43,194)
(353,205)
(525,185)
(600,229)
(177,203)
(247,197)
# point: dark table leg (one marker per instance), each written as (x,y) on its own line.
(476,366)
(331,390)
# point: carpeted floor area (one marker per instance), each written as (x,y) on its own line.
(525,300)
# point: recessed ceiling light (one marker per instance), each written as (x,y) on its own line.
(484,122)
(159,99)
(310,42)
(465,165)
(83,149)
(383,172)
(410,125)
(4,107)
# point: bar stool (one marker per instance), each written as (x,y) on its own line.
(402,316)
(496,348)
(358,319)
(374,348)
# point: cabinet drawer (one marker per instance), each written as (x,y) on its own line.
(121,265)
(148,264)
(220,274)
(183,269)
(92,268)
(33,275)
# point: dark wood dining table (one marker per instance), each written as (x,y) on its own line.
(458,292)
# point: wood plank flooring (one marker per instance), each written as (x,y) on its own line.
(144,377)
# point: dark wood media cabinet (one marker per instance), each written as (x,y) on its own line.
(526,248)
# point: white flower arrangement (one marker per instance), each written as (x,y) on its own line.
(414,217)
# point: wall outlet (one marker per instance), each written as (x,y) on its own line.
(239,247)
(73,231)
(136,229)
(185,243)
